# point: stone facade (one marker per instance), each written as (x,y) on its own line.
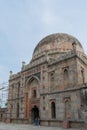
(52,86)
(3,116)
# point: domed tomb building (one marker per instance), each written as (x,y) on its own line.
(53,86)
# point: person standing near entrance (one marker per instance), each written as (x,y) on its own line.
(37,122)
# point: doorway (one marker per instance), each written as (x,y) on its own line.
(34,113)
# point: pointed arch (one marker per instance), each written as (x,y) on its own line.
(66,76)
(30,79)
(67,102)
(32,94)
(33,86)
(53,110)
(65,73)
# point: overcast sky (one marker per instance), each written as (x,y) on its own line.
(23,23)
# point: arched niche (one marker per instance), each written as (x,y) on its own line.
(33,87)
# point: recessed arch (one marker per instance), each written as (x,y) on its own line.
(53,110)
(29,80)
(32,94)
(67,108)
(66,76)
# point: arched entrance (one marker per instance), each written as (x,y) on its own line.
(32,98)
(34,113)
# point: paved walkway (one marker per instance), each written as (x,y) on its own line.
(4,126)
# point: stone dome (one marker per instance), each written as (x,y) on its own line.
(58,41)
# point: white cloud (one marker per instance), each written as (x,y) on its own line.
(23,23)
